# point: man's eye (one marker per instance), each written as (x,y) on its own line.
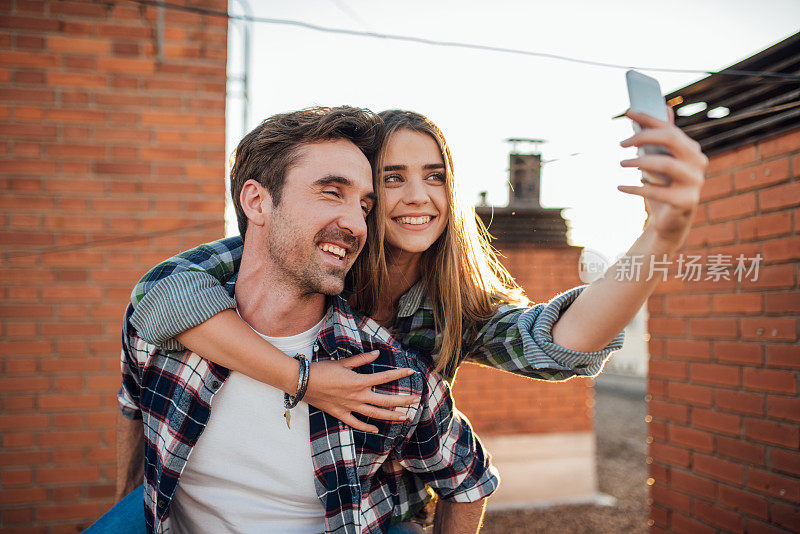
(366,208)
(332,192)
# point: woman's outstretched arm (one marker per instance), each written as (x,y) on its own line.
(609,303)
(576,332)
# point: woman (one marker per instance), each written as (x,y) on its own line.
(430,276)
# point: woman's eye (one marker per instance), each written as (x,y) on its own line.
(437,177)
(392,179)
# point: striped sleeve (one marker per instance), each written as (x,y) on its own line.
(520,340)
(184,291)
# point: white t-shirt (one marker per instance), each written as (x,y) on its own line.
(248,472)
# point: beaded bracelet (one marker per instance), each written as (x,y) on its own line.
(290,401)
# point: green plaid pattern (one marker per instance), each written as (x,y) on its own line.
(516,339)
(188,289)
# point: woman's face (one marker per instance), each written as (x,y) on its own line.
(414,191)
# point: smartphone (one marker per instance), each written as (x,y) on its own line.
(645,96)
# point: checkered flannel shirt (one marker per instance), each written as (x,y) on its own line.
(357,474)
(188,289)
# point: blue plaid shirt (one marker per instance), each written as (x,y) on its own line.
(357,474)
(189,288)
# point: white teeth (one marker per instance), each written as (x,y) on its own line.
(415,220)
(333,249)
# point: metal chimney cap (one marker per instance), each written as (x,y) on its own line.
(516,140)
(524,140)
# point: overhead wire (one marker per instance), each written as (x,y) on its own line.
(777,76)
(456,44)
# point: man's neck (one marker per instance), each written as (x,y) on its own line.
(271,304)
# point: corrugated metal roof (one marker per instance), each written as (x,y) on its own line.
(758,107)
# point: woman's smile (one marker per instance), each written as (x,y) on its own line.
(414,222)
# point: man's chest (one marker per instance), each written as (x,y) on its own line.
(248,468)
(192,408)
(246,437)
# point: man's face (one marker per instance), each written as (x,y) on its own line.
(319,227)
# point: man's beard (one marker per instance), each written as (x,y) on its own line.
(299,262)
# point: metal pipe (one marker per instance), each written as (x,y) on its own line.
(245,77)
(160,32)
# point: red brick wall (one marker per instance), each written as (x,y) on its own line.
(725,361)
(500,403)
(101,147)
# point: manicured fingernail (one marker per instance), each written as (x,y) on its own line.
(625,142)
(409,372)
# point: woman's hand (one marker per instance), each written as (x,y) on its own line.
(671,208)
(336,389)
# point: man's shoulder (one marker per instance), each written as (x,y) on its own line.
(229,245)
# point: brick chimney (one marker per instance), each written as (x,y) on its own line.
(528,414)
(524,220)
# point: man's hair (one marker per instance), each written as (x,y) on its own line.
(266,153)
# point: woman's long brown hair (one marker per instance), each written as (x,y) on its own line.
(463,277)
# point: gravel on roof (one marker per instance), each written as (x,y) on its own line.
(622,473)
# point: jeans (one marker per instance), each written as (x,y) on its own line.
(127,517)
(406,528)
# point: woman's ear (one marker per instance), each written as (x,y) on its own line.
(256,202)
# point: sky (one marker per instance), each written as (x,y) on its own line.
(481,98)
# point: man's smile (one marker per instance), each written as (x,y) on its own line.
(333,250)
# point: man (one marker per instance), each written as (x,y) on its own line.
(302,187)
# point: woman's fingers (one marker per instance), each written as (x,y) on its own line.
(676,169)
(666,134)
(341,392)
(359,359)
(648,121)
(679,198)
(353,422)
(376,379)
(391,401)
(380,413)
(372,412)
(676,142)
